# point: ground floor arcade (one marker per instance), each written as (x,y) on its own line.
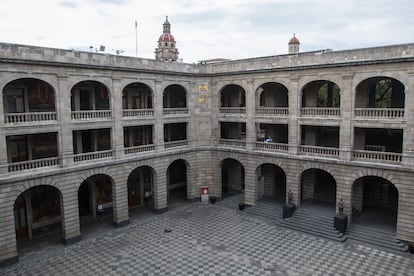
(48,204)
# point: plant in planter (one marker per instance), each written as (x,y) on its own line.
(411,247)
(213,199)
(242,205)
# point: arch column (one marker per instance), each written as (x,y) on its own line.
(250,111)
(159,116)
(250,184)
(65,116)
(160,191)
(344,192)
(408,139)
(405,216)
(69,207)
(116,107)
(120,200)
(293,181)
(8,243)
(294,111)
(345,137)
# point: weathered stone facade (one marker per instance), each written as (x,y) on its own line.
(203,148)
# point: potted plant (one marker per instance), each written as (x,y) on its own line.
(213,199)
(411,247)
(242,205)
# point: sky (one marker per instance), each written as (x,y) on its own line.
(205,29)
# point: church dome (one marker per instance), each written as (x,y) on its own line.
(294,40)
(166,37)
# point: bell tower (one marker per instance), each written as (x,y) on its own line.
(294,45)
(166,50)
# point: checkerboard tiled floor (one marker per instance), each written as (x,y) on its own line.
(209,240)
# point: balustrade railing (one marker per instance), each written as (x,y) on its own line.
(233,143)
(138,149)
(91,114)
(142,113)
(92,155)
(175,111)
(318,151)
(233,110)
(270,146)
(272,111)
(387,157)
(320,112)
(29,117)
(33,164)
(174,144)
(386,113)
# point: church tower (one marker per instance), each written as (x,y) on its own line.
(294,45)
(166,50)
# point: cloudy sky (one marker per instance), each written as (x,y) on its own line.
(207,28)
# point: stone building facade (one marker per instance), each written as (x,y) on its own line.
(81,130)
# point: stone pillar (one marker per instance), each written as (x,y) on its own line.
(293,181)
(345,132)
(250,185)
(357,194)
(159,117)
(3,144)
(344,192)
(408,135)
(117,130)
(294,113)
(191,124)
(120,200)
(203,115)
(3,157)
(250,112)
(8,245)
(63,109)
(215,114)
(70,215)
(160,191)
(405,217)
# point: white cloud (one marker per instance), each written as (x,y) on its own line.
(210,28)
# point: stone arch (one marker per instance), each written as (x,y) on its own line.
(51,80)
(374,202)
(271,181)
(318,184)
(90,94)
(84,175)
(95,195)
(28,94)
(140,186)
(272,94)
(380,92)
(361,172)
(271,160)
(232,176)
(232,95)
(38,210)
(177,182)
(320,93)
(133,100)
(320,166)
(175,96)
(147,83)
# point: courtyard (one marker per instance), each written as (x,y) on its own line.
(206,239)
